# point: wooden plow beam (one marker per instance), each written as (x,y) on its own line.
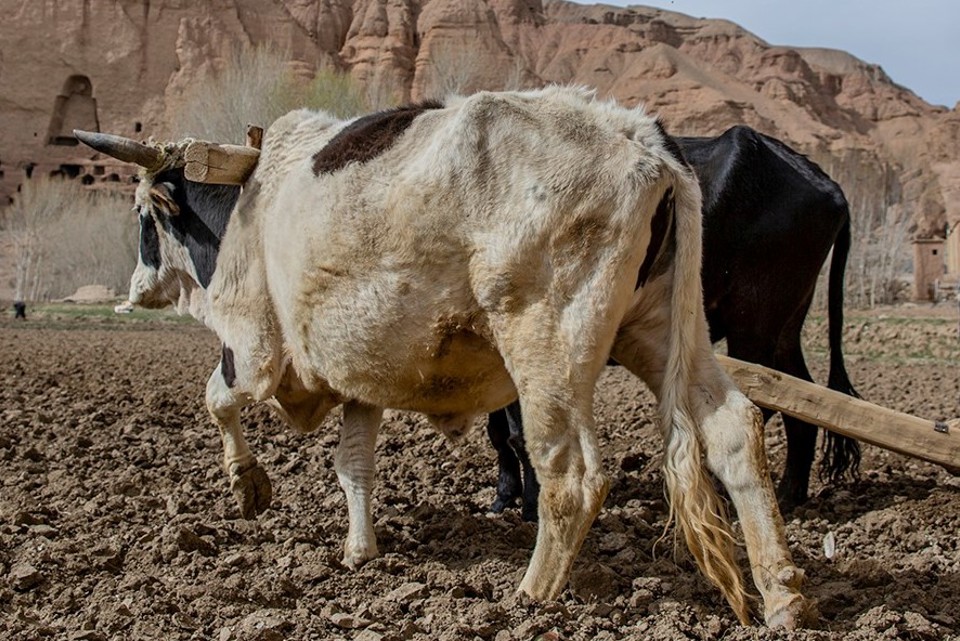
(928,440)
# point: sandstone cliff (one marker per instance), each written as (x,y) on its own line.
(122,65)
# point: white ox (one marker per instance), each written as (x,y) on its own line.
(445,259)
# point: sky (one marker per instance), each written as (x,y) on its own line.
(916,42)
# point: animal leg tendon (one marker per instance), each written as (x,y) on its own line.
(354,464)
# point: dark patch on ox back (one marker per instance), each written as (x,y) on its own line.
(367,137)
(149,242)
(202,219)
(659,254)
(672,146)
(227,367)
(663,240)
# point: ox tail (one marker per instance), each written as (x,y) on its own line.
(693,500)
(841,454)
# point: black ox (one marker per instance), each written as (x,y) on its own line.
(770,217)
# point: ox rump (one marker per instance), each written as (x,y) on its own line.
(446,259)
(770,219)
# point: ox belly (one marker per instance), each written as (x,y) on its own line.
(420,357)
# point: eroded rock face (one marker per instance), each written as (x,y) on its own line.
(701,75)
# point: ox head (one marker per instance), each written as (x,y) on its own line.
(181,222)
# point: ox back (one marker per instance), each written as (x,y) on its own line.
(770,218)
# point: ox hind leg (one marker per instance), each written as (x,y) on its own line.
(840,454)
(505,429)
(759,346)
(556,384)
(509,481)
(354,464)
(717,423)
(801,436)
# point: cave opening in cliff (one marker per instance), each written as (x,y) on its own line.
(74,108)
(70,171)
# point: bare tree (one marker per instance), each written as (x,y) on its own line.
(255,85)
(879,229)
(334,92)
(517,76)
(96,243)
(36,208)
(65,236)
(258,85)
(382,91)
(454,70)
(458,69)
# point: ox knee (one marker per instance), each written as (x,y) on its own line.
(572,490)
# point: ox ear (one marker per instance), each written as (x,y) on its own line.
(161,195)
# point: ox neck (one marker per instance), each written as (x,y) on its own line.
(205,212)
(195,300)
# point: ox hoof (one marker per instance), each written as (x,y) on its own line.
(529,513)
(503,503)
(796,613)
(251,488)
(354,559)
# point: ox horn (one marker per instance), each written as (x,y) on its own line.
(122,148)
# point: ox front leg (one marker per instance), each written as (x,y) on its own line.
(354,464)
(248,481)
(732,431)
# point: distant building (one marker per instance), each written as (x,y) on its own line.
(952,251)
(936,266)
(928,266)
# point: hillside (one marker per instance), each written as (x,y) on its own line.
(123,66)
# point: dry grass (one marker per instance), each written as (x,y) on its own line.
(257,86)
(65,236)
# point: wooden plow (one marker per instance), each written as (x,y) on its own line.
(927,440)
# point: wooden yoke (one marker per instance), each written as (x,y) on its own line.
(931,441)
(212,163)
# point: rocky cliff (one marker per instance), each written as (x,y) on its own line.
(121,66)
